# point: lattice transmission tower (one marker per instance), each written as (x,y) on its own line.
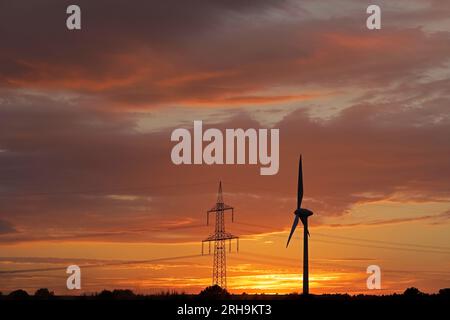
(220,237)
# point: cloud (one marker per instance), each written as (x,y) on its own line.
(78,174)
(208,52)
(6,227)
(78,167)
(51,260)
(433,219)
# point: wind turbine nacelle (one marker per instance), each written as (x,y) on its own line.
(303,212)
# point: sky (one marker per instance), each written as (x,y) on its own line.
(86,117)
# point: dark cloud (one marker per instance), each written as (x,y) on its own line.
(6,227)
(117,40)
(73,167)
(71,173)
(154,53)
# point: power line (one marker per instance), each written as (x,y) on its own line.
(382,247)
(386,242)
(259,259)
(371,246)
(367,245)
(392,245)
(103,191)
(294,262)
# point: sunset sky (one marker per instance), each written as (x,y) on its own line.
(86,116)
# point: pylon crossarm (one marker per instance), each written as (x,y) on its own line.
(227,207)
(215,237)
(210,238)
(217,209)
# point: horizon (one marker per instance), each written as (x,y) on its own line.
(45,293)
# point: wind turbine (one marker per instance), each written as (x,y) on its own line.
(302,214)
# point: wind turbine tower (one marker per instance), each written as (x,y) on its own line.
(220,237)
(302,214)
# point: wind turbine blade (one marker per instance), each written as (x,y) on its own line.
(300,184)
(303,220)
(294,225)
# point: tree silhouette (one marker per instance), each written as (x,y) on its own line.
(413,292)
(117,294)
(44,293)
(19,294)
(123,294)
(445,292)
(105,294)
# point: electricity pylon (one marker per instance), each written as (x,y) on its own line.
(220,236)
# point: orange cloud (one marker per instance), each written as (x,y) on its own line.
(252,100)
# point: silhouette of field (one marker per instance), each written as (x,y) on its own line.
(124,303)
